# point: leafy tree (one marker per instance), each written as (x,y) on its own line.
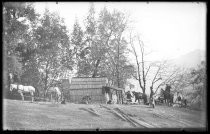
(90,52)
(77,40)
(19,20)
(198,82)
(192,84)
(54,51)
(105,47)
(16,33)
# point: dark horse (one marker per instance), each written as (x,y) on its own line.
(168,97)
(138,96)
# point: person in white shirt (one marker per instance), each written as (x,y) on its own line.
(107,97)
(114,97)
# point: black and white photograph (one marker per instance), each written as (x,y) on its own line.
(104,66)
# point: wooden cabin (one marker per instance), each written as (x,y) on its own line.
(93,87)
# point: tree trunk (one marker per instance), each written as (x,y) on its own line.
(144,96)
(118,57)
(118,79)
(96,68)
(46,77)
(51,97)
(45,84)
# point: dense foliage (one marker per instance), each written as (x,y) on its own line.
(40,49)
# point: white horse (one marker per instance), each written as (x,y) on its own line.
(55,90)
(23,89)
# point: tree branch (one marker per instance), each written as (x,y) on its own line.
(156,75)
(162,83)
(142,60)
(137,62)
(147,71)
(135,77)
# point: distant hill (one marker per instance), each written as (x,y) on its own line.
(191,59)
(188,60)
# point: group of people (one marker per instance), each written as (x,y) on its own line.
(175,99)
(113,99)
(179,100)
(166,95)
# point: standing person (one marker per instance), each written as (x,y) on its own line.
(88,99)
(63,101)
(168,87)
(162,95)
(179,98)
(152,100)
(107,97)
(129,96)
(184,102)
(114,97)
(16,78)
(167,95)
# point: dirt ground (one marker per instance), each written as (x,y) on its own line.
(19,115)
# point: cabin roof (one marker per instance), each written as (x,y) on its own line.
(88,83)
(115,88)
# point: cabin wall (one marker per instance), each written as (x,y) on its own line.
(76,95)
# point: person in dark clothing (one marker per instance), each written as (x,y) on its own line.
(63,101)
(185,103)
(151,92)
(109,102)
(86,99)
(178,97)
(168,88)
(129,96)
(16,78)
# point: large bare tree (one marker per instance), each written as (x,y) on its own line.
(156,72)
(142,71)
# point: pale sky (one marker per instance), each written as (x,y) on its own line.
(167,29)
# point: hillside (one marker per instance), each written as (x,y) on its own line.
(189,60)
(51,116)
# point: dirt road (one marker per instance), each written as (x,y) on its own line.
(20,115)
